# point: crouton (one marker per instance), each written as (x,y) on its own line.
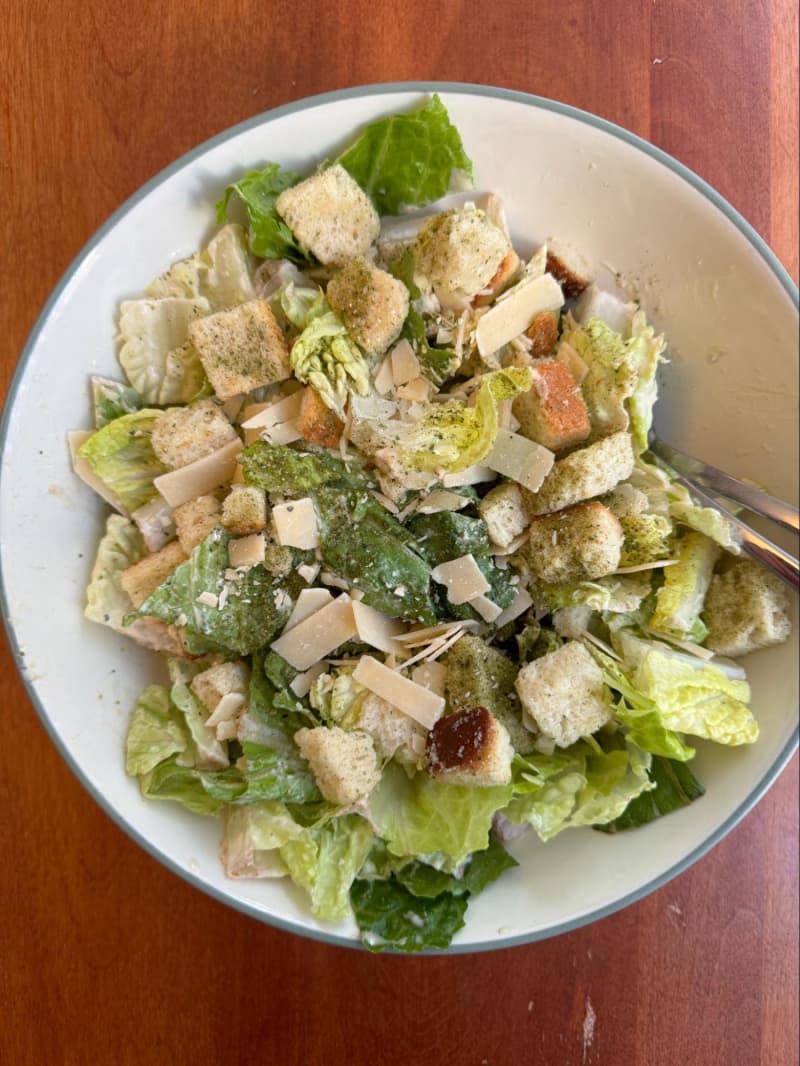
(563,695)
(746,608)
(505,274)
(469,747)
(570,271)
(393,733)
(195,520)
(331,215)
(241,349)
(588,472)
(479,675)
(221,680)
(318,423)
(543,333)
(182,435)
(145,576)
(344,764)
(583,542)
(552,412)
(372,304)
(459,252)
(504,513)
(244,510)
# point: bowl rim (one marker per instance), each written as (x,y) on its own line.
(293,107)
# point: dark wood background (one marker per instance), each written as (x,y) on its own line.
(105,957)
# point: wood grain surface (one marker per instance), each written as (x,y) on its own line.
(105,957)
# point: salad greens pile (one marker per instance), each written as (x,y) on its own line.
(387,651)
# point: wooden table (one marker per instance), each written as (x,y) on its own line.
(105,956)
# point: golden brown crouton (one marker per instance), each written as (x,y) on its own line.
(470,747)
(543,333)
(563,695)
(567,271)
(503,277)
(553,411)
(318,423)
(211,685)
(195,520)
(181,435)
(372,304)
(145,576)
(747,608)
(587,472)
(344,764)
(241,349)
(244,510)
(582,542)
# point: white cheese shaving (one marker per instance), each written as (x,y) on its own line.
(658,565)
(336,582)
(462,577)
(415,700)
(200,477)
(284,433)
(296,523)
(471,475)
(516,311)
(273,414)
(208,599)
(417,390)
(405,365)
(488,611)
(442,500)
(318,635)
(520,459)
(247,551)
(415,637)
(384,382)
(308,572)
(230,704)
(301,685)
(430,675)
(519,605)
(308,602)
(375,628)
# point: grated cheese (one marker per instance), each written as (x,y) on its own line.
(200,477)
(273,414)
(228,706)
(384,382)
(415,700)
(318,635)
(301,685)
(442,500)
(308,572)
(296,523)
(462,577)
(470,475)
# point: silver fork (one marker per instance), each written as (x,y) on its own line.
(700,479)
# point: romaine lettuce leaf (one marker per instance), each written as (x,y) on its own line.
(407,159)
(269,236)
(252,839)
(204,751)
(420,815)
(288,471)
(676,786)
(679,601)
(155,731)
(276,771)
(107,602)
(155,354)
(256,606)
(222,273)
(113,399)
(121,455)
(390,916)
(325,357)
(325,861)
(200,791)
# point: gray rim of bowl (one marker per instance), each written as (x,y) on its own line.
(542,103)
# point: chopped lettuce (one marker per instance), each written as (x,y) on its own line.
(200,791)
(252,839)
(113,399)
(325,860)
(615,594)
(155,731)
(407,159)
(204,751)
(675,787)
(288,471)
(155,354)
(581,785)
(269,236)
(390,916)
(256,606)
(436,364)
(121,455)
(222,273)
(453,436)
(121,545)
(419,815)
(301,304)
(679,601)
(325,357)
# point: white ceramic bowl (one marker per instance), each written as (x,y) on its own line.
(729,395)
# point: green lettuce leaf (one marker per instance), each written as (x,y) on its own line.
(648,538)
(288,471)
(256,606)
(204,751)
(407,159)
(252,839)
(325,357)
(113,399)
(200,791)
(679,601)
(419,815)
(276,771)
(107,602)
(390,916)
(155,353)
(436,364)
(155,732)
(325,861)
(675,787)
(452,436)
(121,455)
(269,236)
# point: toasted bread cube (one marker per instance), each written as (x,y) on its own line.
(504,513)
(244,510)
(588,472)
(469,747)
(372,304)
(344,764)
(552,412)
(392,731)
(211,685)
(579,543)
(145,576)
(505,274)
(183,434)
(543,333)
(746,608)
(331,215)
(241,349)
(459,252)
(568,269)
(318,423)
(195,520)
(563,695)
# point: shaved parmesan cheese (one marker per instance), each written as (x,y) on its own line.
(375,628)
(431,676)
(511,549)
(520,459)
(273,414)
(471,475)
(228,706)
(208,599)
(416,637)
(200,477)
(247,551)
(488,611)
(296,523)
(512,315)
(415,700)
(308,572)
(659,564)
(442,500)
(521,602)
(76,438)
(285,433)
(309,601)
(301,685)
(462,577)
(318,635)
(417,390)
(384,382)
(384,501)
(336,582)
(405,365)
